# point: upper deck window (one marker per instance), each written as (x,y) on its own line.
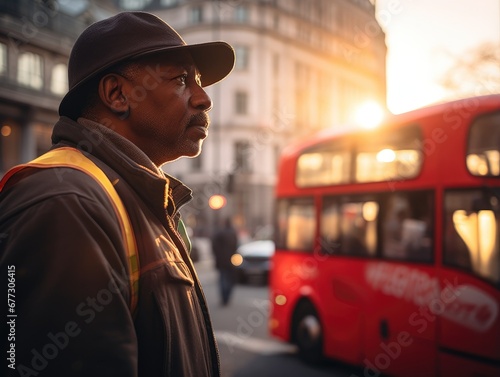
(384,156)
(323,167)
(483,149)
(389,156)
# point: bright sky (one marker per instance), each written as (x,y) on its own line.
(423,36)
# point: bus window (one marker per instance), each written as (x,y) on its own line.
(389,156)
(483,149)
(471,228)
(325,165)
(358,228)
(330,227)
(296,224)
(407,227)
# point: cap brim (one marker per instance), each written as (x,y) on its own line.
(214,60)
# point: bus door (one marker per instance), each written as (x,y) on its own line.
(469,313)
(400,331)
(347,239)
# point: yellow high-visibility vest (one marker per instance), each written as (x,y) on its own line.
(67,157)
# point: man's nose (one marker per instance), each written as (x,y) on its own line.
(201,100)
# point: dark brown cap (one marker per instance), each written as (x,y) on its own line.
(131,34)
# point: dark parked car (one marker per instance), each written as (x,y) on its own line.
(253,261)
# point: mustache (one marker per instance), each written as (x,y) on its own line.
(199,119)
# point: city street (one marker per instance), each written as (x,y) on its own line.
(246,349)
(346,152)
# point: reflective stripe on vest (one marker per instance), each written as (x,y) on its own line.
(181,228)
(67,157)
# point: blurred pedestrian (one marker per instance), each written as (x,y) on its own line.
(91,235)
(224,245)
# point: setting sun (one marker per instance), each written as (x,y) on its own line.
(369,115)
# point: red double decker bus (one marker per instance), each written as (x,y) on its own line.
(388,244)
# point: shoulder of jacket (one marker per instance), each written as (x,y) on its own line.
(36,185)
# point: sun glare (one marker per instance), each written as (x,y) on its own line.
(369,115)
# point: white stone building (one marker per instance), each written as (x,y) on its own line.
(302,65)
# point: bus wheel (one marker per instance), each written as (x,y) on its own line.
(308,334)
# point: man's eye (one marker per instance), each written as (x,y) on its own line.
(182,78)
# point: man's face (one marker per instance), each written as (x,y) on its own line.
(168,108)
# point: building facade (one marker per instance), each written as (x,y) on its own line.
(301,66)
(35,42)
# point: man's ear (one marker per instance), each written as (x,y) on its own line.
(111,92)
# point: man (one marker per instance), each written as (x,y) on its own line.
(136,101)
(224,245)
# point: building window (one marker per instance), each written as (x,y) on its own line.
(196,15)
(276,22)
(169,3)
(241,14)
(59,80)
(241,103)
(303,89)
(30,70)
(242,57)
(3,59)
(242,153)
(304,32)
(134,4)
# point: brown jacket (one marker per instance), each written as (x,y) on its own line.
(60,233)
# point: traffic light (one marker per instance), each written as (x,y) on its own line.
(217,201)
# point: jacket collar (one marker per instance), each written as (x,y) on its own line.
(124,157)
